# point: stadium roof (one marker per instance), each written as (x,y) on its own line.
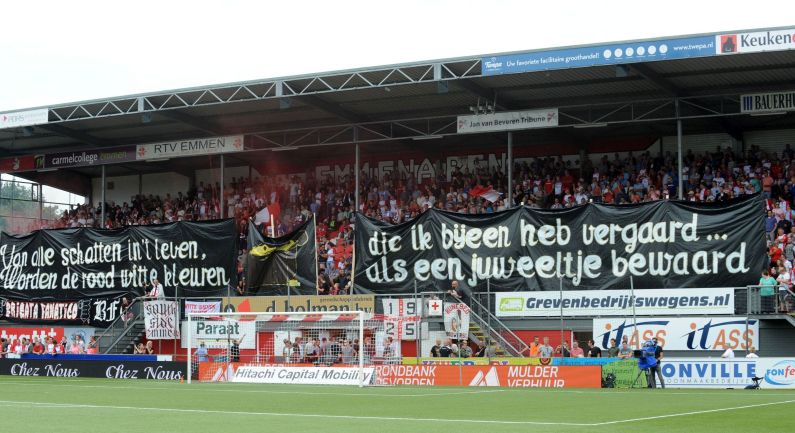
(631,87)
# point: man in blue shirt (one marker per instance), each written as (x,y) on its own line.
(770,223)
(201,354)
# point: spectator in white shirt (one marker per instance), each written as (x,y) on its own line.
(752,353)
(157,290)
(729,353)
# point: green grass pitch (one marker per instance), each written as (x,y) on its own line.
(102,405)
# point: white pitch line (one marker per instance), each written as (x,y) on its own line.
(294,415)
(254,391)
(216,387)
(697,412)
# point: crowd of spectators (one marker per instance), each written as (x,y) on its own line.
(47,346)
(550,182)
(330,351)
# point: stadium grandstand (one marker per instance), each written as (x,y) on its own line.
(520,214)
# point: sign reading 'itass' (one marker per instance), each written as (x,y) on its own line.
(662,244)
(680,333)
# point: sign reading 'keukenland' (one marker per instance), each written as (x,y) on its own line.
(662,244)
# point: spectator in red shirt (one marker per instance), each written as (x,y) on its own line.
(38,348)
(775,254)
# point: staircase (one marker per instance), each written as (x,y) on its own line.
(485,326)
(122,336)
(477,336)
(124,341)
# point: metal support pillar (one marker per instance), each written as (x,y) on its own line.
(679,157)
(102,197)
(356,168)
(509,202)
(221,190)
(41,205)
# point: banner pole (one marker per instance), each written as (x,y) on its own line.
(353,257)
(190,348)
(417,337)
(488,313)
(317,264)
(634,316)
(747,313)
(361,349)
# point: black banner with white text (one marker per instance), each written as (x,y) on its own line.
(188,258)
(99,312)
(661,244)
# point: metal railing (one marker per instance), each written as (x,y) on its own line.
(749,300)
(121,327)
(496,330)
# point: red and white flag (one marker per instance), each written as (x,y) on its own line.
(486,192)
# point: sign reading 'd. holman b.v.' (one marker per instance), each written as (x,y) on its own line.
(299,303)
(193,147)
(768,102)
(508,121)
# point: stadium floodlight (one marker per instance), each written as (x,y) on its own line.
(590,125)
(46,170)
(158,160)
(283,148)
(334,348)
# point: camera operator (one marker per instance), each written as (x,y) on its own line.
(658,355)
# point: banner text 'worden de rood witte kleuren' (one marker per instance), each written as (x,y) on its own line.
(188,258)
(662,244)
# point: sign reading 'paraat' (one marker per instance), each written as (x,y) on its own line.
(508,121)
(194,147)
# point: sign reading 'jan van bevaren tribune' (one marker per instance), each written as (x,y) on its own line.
(508,121)
(194,147)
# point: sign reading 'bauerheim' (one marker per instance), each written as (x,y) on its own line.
(508,121)
(768,102)
(193,147)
